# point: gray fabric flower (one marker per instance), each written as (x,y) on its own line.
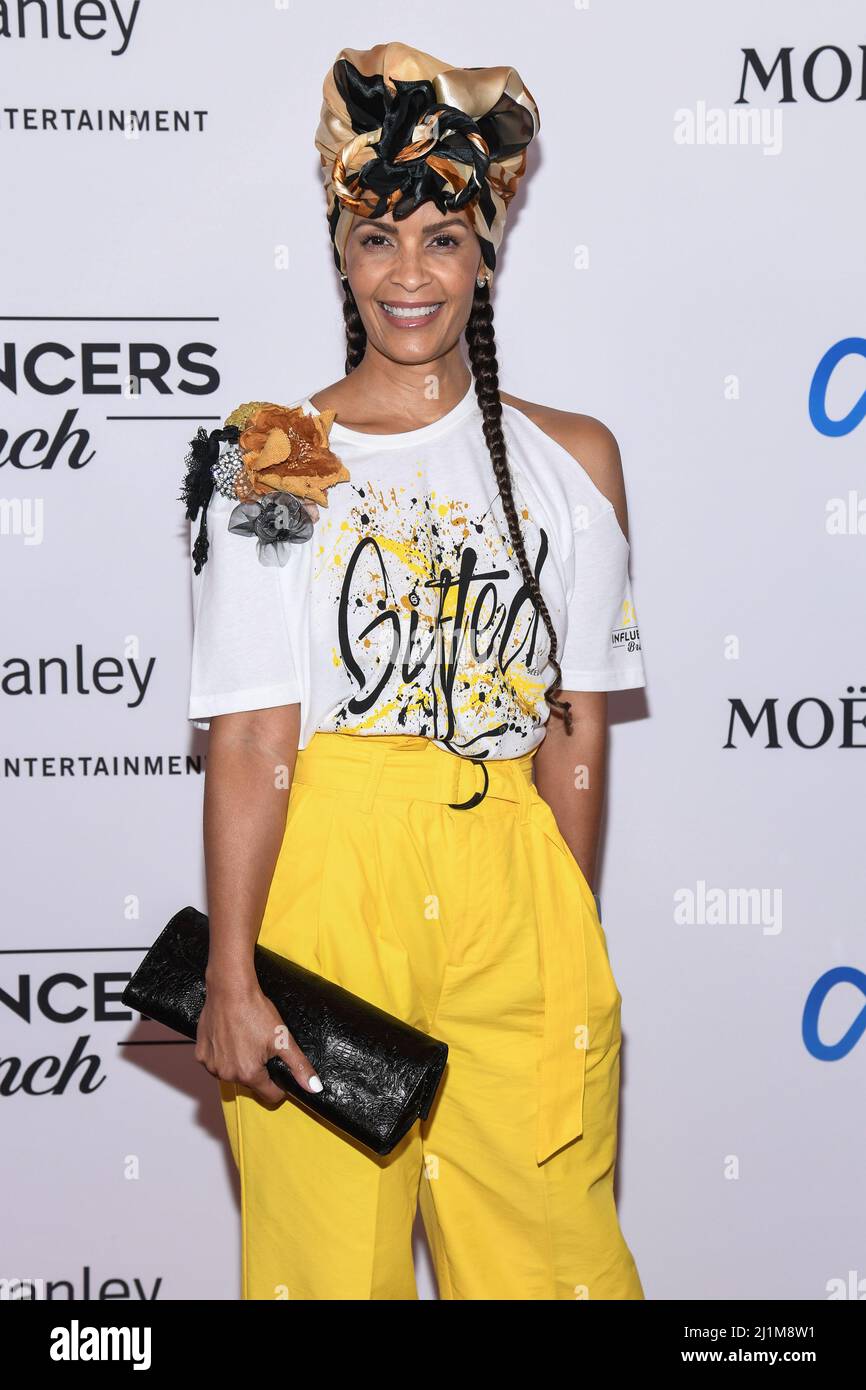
(277,520)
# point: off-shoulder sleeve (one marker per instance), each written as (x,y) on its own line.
(241,651)
(602,648)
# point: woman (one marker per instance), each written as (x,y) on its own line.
(411,593)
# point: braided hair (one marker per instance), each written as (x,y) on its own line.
(481,344)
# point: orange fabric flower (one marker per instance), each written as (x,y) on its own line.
(286,450)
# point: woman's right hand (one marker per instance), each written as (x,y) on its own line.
(238,1031)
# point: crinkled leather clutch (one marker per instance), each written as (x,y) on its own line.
(379,1074)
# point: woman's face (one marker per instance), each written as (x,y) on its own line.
(413,280)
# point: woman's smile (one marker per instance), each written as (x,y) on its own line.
(406,314)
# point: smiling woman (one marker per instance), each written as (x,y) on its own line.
(414,277)
(378,684)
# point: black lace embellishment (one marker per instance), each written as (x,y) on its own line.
(198,484)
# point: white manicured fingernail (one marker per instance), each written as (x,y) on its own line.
(315,1084)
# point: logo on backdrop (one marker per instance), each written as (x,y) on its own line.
(83,1006)
(81,674)
(826,74)
(839,353)
(87,1287)
(78,674)
(110,371)
(69,21)
(818,994)
(809,723)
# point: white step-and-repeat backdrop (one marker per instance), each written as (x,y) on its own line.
(684,261)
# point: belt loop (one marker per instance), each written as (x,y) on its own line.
(453,769)
(378,754)
(524,792)
(450,772)
(457,783)
(452,775)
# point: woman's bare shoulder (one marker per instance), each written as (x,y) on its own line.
(329,397)
(588,440)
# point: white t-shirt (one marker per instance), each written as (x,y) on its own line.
(405,612)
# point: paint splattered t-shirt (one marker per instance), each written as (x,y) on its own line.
(406,613)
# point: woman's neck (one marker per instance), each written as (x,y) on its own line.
(382,396)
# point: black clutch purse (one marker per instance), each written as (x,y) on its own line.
(379,1074)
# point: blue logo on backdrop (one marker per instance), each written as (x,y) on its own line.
(817,994)
(846,347)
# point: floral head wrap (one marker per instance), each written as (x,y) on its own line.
(399,128)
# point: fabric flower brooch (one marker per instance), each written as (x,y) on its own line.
(275,461)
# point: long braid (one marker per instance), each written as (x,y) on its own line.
(356,333)
(481,344)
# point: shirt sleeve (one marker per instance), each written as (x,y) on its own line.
(602,648)
(241,652)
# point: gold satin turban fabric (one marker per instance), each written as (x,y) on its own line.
(399,128)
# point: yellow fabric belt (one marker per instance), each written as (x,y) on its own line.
(410,767)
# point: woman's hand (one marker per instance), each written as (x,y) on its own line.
(238,1030)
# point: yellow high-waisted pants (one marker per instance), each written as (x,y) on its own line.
(478,926)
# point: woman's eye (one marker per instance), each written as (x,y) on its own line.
(379,239)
